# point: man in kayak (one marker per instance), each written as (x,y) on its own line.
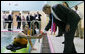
(21,40)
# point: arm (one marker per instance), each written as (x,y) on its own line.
(48,25)
(35,37)
(22,35)
(30,42)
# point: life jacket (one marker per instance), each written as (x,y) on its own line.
(29,32)
(22,41)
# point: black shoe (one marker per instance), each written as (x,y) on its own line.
(59,36)
(9,47)
(74,52)
(63,42)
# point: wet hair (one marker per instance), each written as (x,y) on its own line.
(66,4)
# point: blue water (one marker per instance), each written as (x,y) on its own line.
(7,38)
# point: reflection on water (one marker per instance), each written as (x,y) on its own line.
(7,38)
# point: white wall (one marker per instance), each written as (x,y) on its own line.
(22,5)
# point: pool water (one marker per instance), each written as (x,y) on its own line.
(7,38)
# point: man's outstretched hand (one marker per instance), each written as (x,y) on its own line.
(42,34)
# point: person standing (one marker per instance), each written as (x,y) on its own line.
(5,18)
(19,21)
(10,21)
(39,19)
(79,29)
(23,20)
(69,19)
(39,16)
(28,19)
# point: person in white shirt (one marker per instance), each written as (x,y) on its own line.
(4,20)
(79,29)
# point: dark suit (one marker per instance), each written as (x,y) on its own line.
(35,16)
(32,18)
(60,24)
(67,16)
(19,22)
(39,16)
(28,20)
(10,18)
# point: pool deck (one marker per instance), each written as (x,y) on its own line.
(56,45)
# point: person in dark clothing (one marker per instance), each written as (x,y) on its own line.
(39,16)
(35,16)
(69,19)
(60,33)
(10,21)
(19,21)
(39,19)
(28,18)
(32,18)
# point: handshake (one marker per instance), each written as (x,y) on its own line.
(41,35)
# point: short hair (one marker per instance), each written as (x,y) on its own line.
(76,6)
(66,4)
(19,13)
(46,6)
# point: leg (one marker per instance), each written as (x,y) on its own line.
(69,37)
(60,32)
(9,26)
(69,45)
(4,24)
(17,25)
(20,24)
(29,24)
